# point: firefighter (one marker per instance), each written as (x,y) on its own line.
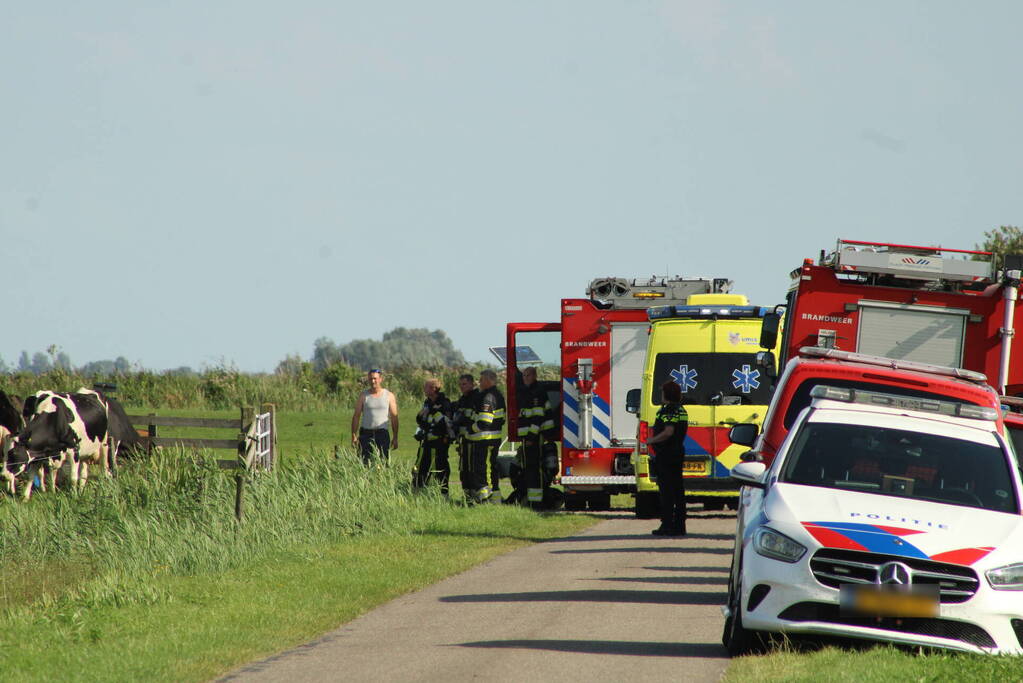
(535,428)
(462,414)
(434,435)
(485,435)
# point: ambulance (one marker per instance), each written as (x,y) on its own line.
(710,347)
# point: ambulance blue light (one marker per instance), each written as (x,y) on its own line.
(665,312)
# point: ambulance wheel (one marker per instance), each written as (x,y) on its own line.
(600,501)
(575,502)
(648,505)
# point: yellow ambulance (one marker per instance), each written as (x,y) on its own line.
(711,348)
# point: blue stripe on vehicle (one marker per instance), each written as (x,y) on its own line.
(571,426)
(602,404)
(693,448)
(601,427)
(875,540)
(570,402)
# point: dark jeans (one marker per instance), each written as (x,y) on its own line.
(372,442)
(433,464)
(672,489)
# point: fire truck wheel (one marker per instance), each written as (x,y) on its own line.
(648,505)
(575,501)
(600,501)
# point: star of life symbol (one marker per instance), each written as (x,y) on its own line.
(684,377)
(746,379)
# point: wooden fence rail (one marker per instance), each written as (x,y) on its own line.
(255,445)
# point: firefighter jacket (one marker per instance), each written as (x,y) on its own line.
(488,415)
(435,418)
(536,416)
(462,414)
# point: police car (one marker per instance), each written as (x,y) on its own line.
(882,517)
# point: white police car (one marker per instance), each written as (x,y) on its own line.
(882,517)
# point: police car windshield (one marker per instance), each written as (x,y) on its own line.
(901,463)
(713,378)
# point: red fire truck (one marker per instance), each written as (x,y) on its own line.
(602,341)
(948,307)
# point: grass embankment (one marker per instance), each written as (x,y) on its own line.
(148,576)
(879,664)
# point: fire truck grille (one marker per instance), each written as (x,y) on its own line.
(939,628)
(832,567)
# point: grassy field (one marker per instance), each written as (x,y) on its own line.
(149,577)
(879,664)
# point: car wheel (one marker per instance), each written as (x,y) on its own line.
(648,505)
(736,638)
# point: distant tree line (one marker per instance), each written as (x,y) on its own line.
(401,347)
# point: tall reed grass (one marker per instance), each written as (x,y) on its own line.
(174,513)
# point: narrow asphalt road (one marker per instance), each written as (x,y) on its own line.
(613,603)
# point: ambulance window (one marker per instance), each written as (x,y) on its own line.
(709,378)
(801,397)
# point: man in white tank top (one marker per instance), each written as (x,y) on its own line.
(374,410)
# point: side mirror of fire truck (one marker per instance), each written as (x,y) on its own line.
(632,401)
(769,330)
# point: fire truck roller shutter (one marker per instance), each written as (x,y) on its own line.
(927,334)
(628,355)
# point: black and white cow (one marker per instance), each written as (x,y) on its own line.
(61,427)
(11,424)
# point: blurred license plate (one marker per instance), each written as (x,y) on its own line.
(695,466)
(889,601)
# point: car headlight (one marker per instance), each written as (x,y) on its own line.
(1007,578)
(770,543)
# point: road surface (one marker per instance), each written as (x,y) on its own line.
(613,603)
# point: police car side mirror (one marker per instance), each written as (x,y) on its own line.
(632,401)
(743,434)
(749,474)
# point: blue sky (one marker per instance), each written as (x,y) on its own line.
(193,183)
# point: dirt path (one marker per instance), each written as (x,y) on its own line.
(611,604)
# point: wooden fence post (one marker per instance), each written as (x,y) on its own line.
(151,428)
(239,477)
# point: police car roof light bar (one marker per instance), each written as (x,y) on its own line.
(893,363)
(926,405)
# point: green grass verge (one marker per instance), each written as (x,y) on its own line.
(196,627)
(880,664)
(147,576)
